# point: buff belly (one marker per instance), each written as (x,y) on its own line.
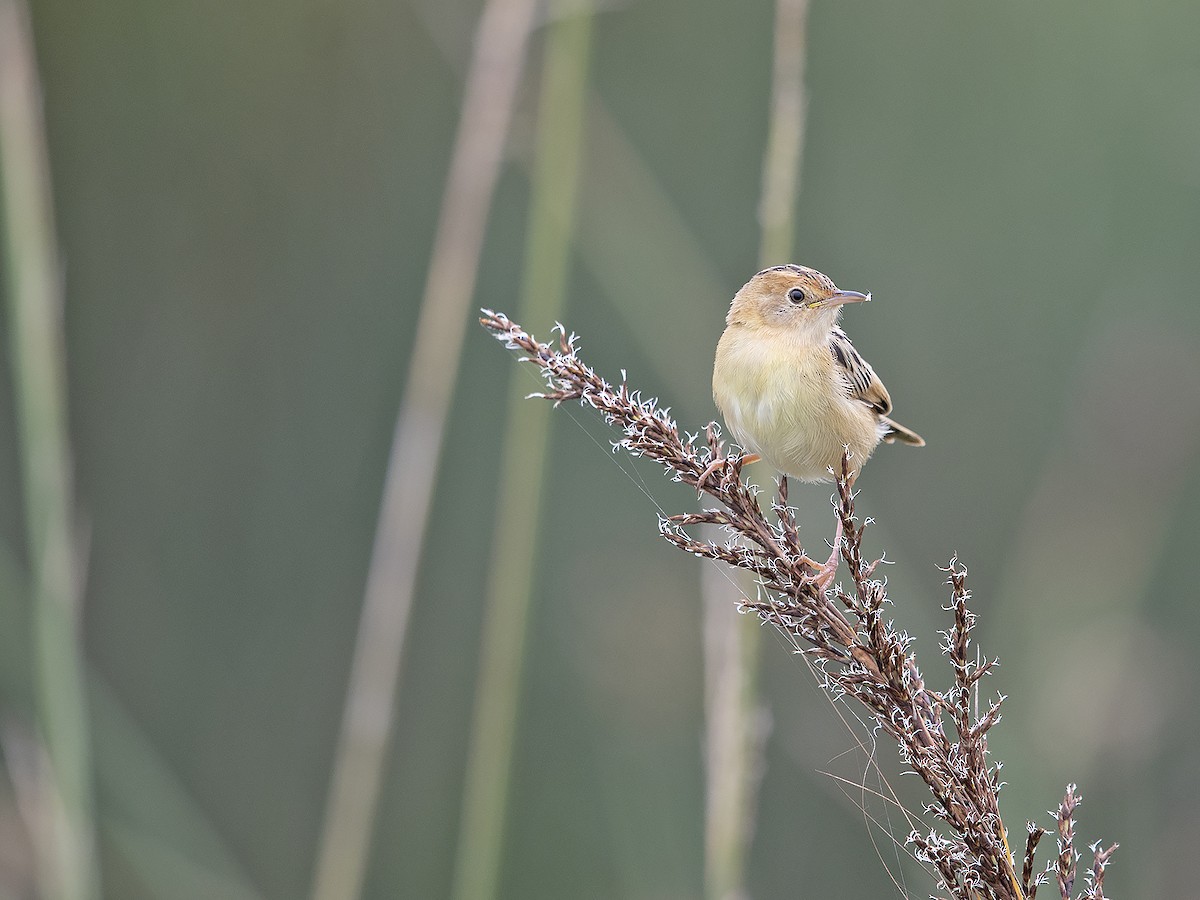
(787,404)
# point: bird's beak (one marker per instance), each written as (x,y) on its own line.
(843,297)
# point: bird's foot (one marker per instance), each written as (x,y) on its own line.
(826,571)
(718,461)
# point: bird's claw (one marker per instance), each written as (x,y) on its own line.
(823,576)
(825,572)
(716,463)
(736,461)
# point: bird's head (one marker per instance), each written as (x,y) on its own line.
(795,298)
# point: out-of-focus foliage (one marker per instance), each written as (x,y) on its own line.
(246,196)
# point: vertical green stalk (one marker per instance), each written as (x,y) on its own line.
(735,729)
(67,865)
(735,726)
(785,134)
(554,187)
(497,64)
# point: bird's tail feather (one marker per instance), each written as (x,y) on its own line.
(897,432)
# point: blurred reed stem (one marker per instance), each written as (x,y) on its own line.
(554,189)
(497,63)
(736,725)
(63,836)
(629,230)
(785,134)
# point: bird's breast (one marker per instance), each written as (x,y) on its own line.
(784,400)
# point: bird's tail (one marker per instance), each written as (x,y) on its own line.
(897,432)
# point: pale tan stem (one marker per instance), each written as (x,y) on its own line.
(736,728)
(785,134)
(65,846)
(497,63)
(555,181)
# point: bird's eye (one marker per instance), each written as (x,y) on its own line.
(796,295)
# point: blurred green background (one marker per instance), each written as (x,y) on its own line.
(246,197)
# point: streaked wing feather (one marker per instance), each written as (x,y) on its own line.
(861,379)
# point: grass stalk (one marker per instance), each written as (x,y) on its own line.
(857,654)
(785,134)
(554,188)
(621,202)
(495,71)
(735,724)
(65,838)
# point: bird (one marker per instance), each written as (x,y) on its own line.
(790,385)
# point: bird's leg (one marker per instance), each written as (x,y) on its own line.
(825,571)
(824,574)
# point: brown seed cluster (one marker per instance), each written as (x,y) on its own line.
(857,649)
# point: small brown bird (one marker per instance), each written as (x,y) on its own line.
(791,386)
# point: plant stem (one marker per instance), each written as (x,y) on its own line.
(67,865)
(785,133)
(735,722)
(495,72)
(506,616)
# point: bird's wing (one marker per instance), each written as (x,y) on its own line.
(861,379)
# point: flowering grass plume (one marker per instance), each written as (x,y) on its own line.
(858,651)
